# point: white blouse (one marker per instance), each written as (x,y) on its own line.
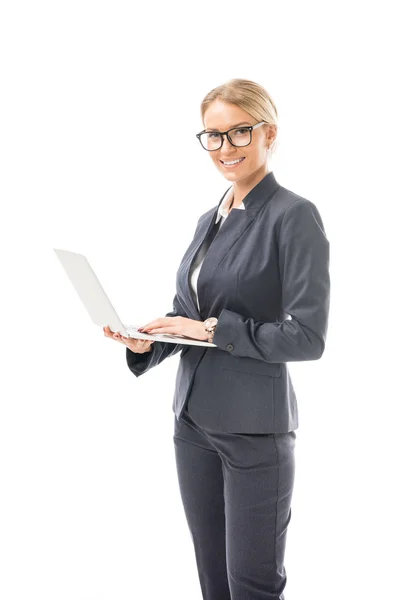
(223,212)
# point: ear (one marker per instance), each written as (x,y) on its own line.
(272,131)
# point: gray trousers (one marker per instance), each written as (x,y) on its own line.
(236,491)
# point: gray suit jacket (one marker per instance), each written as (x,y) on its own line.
(266,278)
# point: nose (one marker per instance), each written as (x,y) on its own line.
(224,137)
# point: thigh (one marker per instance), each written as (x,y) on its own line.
(200,480)
(259,477)
(201,485)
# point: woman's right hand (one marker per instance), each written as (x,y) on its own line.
(138,346)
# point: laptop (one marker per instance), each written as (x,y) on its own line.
(98,305)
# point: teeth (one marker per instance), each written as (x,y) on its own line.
(232,162)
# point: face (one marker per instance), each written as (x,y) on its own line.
(221,116)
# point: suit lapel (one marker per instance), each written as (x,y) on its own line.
(233,227)
(186,293)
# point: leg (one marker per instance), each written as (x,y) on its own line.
(259,475)
(201,486)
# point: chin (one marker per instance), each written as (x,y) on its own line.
(231,176)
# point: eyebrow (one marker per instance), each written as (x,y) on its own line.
(237,124)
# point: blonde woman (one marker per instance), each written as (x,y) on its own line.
(255,282)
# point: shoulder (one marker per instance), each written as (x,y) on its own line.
(287,205)
(208,213)
(297,214)
(284,200)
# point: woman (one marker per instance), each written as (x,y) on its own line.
(255,282)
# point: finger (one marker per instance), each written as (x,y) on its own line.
(162,322)
(117,336)
(170,329)
(149,325)
(128,339)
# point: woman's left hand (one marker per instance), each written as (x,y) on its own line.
(177,325)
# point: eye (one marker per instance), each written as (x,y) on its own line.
(240,131)
(212,135)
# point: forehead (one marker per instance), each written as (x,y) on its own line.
(222,115)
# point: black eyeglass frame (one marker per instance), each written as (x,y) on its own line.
(222,133)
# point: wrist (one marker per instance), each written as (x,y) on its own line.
(210,325)
(202,335)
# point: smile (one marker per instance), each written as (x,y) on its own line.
(230,163)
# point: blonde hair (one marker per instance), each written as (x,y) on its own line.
(248,95)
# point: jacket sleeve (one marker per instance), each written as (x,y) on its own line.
(304,268)
(141,363)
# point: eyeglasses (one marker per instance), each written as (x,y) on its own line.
(238,136)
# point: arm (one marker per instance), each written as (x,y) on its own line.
(304,268)
(141,363)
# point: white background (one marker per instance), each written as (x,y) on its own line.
(100,103)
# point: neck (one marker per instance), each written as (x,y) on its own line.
(244,186)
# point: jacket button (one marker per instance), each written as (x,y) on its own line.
(229,347)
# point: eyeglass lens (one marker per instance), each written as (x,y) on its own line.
(212,140)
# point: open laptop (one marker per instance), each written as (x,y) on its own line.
(98,305)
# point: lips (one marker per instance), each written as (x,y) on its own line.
(232,165)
